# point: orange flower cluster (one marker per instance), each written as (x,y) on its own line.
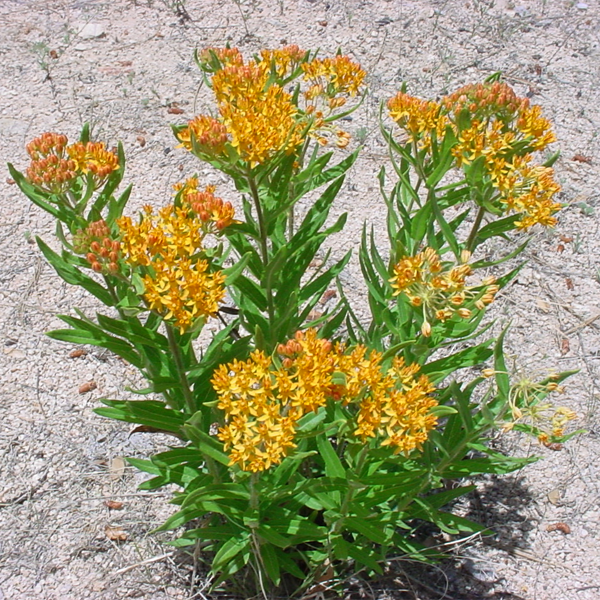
(101,249)
(178,284)
(215,214)
(489,120)
(205,136)
(55,165)
(440,289)
(50,168)
(263,399)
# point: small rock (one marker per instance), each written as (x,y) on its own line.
(92,30)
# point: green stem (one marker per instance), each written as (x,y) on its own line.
(183,380)
(475,229)
(264,247)
(350,491)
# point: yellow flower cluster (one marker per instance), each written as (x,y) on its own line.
(525,405)
(178,284)
(284,61)
(440,289)
(94,158)
(206,135)
(333,78)
(215,214)
(55,165)
(263,399)
(489,120)
(257,116)
(420,119)
(528,190)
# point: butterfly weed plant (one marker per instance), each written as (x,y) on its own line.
(308,448)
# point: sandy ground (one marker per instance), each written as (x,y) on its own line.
(121,66)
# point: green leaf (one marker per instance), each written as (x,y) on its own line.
(366,557)
(206,444)
(73,275)
(333,465)
(144,412)
(270,560)
(97,338)
(230,549)
(469,357)
(370,531)
(501,372)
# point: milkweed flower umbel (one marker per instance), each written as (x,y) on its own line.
(178,281)
(258,116)
(489,123)
(440,289)
(263,398)
(55,165)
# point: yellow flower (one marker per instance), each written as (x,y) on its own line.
(94,158)
(335,76)
(397,406)
(284,61)
(178,285)
(205,134)
(182,290)
(262,402)
(418,118)
(528,190)
(440,290)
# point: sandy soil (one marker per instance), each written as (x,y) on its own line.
(122,66)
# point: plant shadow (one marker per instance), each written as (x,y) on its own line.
(468,572)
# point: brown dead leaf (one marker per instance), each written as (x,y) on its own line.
(141,140)
(323,23)
(565,238)
(569,283)
(582,158)
(53,54)
(113,504)
(553,446)
(87,387)
(564,346)
(78,353)
(328,295)
(175,110)
(559,527)
(115,534)
(10,181)
(117,468)
(560,248)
